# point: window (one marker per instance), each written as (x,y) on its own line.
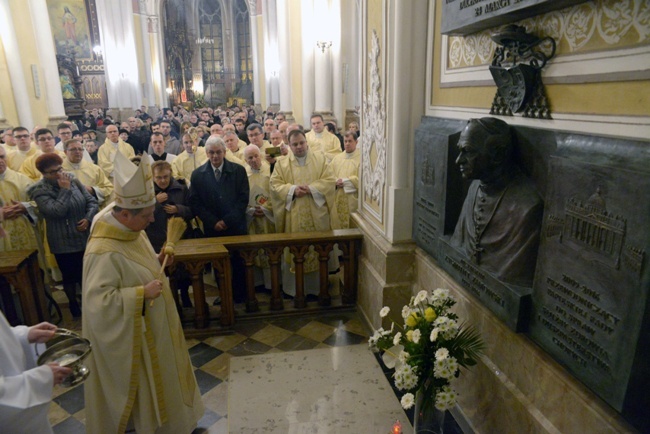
(243,42)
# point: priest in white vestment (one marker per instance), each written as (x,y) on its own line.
(25,388)
(321,140)
(141,374)
(302,194)
(45,140)
(90,175)
(23,149)
(259,212)
(18,213)
(233,153)
(112,145)
(192,157)
(346,171)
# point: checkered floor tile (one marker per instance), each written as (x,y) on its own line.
(211,357)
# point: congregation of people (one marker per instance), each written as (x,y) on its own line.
(224,172)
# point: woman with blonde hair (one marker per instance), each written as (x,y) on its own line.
(185,126)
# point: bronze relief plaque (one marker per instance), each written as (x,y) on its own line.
(590,297)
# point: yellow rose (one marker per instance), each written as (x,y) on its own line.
(430,314)
(412,320)
(409,335)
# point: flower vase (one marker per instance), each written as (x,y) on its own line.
(427,418)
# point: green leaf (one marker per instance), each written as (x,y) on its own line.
(467,346)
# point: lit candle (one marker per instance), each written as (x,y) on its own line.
(397,428)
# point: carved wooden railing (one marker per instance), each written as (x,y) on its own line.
(195,254)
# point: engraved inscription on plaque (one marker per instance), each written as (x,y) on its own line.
(431,173)
(511,304)
(590,296)
(462,17)
(426,230)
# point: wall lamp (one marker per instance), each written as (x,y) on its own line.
(323,45)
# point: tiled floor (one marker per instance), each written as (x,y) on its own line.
(211,358)
(340,389)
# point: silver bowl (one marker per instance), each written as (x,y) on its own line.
(68,349)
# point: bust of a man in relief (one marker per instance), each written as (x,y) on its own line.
(499,224)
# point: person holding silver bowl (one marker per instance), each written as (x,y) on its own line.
(26,389)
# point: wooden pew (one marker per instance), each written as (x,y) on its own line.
(20,268)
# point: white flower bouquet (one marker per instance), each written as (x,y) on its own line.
(428,351)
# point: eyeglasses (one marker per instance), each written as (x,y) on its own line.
(254,134)
(21,136)
(45,139)
(76,149)
(54,171)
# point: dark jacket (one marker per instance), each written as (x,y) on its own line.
(62,209)
(225,200)
(177,194)
(139,140)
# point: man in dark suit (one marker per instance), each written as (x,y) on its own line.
(219,197)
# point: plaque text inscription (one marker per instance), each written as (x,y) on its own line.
(462,17)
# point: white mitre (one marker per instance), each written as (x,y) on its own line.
(133,184)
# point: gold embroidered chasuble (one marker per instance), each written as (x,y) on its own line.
(106,155)
(21,232)
(91,175)
(28,168)
(16,158)
(185,164)
(260,194)
(235,157)
(346,167)
(304,213)
(324,142)
(140,367)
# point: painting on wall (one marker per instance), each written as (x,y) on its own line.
(69,22)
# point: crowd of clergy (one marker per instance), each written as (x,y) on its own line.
(299,182)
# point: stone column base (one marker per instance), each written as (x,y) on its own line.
(288,115)
(4,124)
(120,115)
(385,275)
(273,108)
(258,108)
(53,122)
(328,117)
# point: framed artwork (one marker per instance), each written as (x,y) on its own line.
(69,22)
